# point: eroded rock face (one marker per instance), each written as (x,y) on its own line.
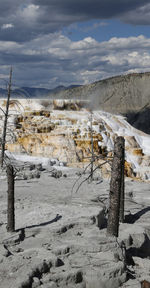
(66,135)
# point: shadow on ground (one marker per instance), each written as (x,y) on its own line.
(132,218)
(58,217)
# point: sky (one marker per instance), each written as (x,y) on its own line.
(64,42)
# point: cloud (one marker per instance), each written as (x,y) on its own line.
(32,18)
(94,26)
(7,26)
(31,40)
(9,46)
(53,59)
(140,16)
(90,8)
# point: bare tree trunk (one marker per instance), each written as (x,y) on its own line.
(6,118)
(115,188)
(92,147)
(122,196)
(10,203)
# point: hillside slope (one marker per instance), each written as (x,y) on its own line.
(118,94)
(126,94)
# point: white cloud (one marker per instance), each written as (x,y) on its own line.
(27,16)
(55,59)
(7,26)
(86,43)
(9,46)
(33,18)
(4,76)
(31,11)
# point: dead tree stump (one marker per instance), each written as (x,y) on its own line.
(122,194)
(11,202)
(115,188)
(145,284)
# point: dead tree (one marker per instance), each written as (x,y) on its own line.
(6,118)
(92,146)
(10,202)
(115,188)
(145,284)
(122,194)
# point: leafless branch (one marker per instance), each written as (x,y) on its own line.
(89,176)
(2,111)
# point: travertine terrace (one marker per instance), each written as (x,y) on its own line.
(39,128)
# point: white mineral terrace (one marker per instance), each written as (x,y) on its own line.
(65,134)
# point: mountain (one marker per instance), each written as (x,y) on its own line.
(128,95)
(34,92)
(120,94)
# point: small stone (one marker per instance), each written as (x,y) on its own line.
(3,251)
(36,282)
(56,174)
(39,167)
(14,269)
(37,175)
(30,176)
(25,177)
(51,284)
(1,259)
(52,163)
(32,167)
(18,250)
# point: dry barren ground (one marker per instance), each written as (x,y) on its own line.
(60,238)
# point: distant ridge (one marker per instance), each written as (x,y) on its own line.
(126,94)
(34,92)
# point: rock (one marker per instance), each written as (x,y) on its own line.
(17,249)
(132,283)
(59,263)
(32,167)
(142,263)
(25,177)
(39,167)
(54,162)
(30,176)
(37,175)
(99,219)
(56,174)
(36,282)
(99,278)
(14,238)
(4,251)
(51,284)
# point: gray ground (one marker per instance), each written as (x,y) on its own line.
(61,236)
